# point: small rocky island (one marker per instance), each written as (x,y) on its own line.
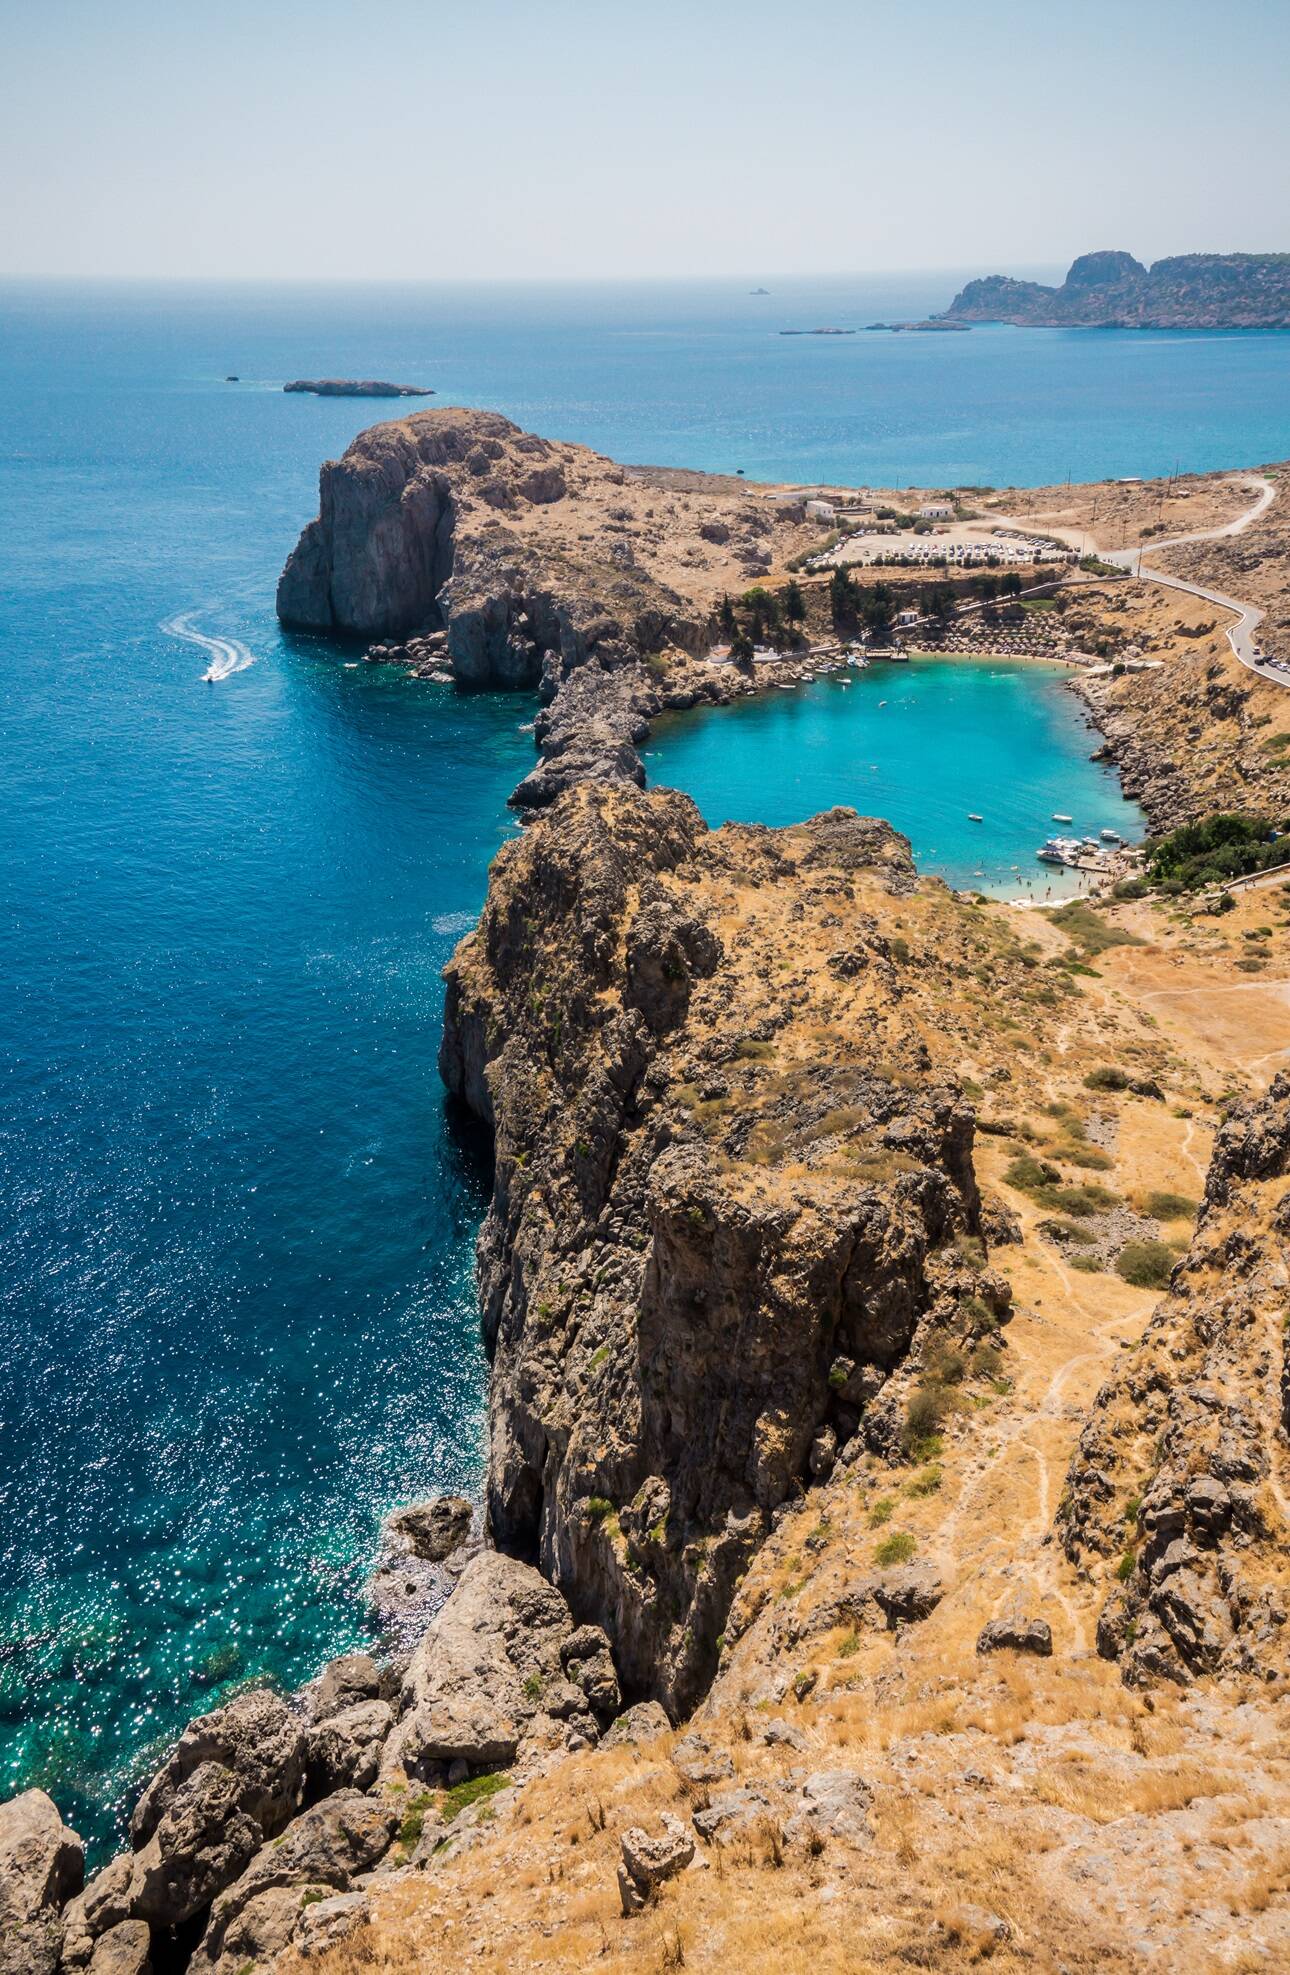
(350,387)
(1112,290)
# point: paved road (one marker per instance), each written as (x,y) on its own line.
(1241,634)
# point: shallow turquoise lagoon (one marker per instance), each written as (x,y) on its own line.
(925,744)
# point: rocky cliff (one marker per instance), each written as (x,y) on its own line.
(1111,290)
(513,561)
(1179,1480)
(730,1185)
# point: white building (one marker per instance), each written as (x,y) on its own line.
(936,511)
(820,511)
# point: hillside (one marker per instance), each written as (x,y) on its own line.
(1111,290)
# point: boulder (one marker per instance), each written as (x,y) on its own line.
(324,1924)
(125,1949)
(342,1684)
(731,1811)
(42,1866)
(256,1737)
(908,1593)
(326,1847)
(203,1841)
(489,1665)
(650,1859)
(641,1723)
(698,1762)
(104,1904)
(432,1529)
(344,1751)
(1017,1635)
(835,1804)
(588,1661)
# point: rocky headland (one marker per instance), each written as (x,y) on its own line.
(457,541)
(1112,290)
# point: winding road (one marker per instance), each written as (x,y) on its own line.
(1241,634)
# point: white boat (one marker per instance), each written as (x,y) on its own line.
(1060,850)
(1112,836)
(974,818)
(1059,818)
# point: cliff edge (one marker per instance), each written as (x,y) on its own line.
(731,1184)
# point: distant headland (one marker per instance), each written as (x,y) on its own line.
(1112,290)
(348,387)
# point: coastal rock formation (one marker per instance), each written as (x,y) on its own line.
(1112,290)
(42,1865)
(1180,1476)
(460,542)
(502,1668)
(422,526)
(700,1204)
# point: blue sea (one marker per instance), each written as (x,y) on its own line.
(237,1316)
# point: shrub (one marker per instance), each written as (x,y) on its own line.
(1165,1206)
(1228,845)
(1028,1174)
(924,1414)
(897,1548)
(1108,1078)
(1088,930)
(1145,1264)
(598,1507)
(1082,1201)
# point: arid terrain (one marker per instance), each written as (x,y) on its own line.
(1034,1812)
(884,1288)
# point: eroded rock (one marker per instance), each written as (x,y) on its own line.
(42,1867)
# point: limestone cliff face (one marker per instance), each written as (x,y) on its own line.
(425,524)
(1182,1471)
(728,1188)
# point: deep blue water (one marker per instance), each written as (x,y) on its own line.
(236,1311)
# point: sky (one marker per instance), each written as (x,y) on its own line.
(408,139)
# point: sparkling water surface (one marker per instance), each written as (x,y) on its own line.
(237,1316)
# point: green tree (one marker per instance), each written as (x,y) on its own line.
(794,602)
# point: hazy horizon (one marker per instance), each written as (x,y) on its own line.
(407,140)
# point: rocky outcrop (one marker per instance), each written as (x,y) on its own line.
(420,527)
(321,1852)
(350,387)
(663,1302)
(472,550)
(502,1670)
(1180,1476)
(42,1865)
(1113,290)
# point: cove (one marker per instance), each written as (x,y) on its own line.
(923,745)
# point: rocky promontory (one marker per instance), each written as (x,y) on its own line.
(508,560)
(1112,290)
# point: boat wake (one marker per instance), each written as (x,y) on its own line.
(227,655)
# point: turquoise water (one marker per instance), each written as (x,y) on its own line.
(236,1309)
(926,745)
